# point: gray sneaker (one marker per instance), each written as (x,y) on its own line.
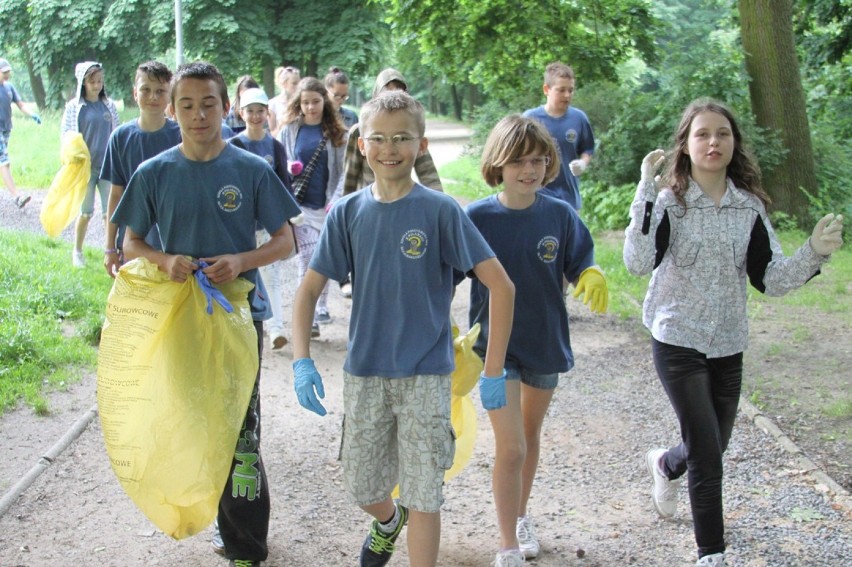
(216,540)
(22,200)
(665,491)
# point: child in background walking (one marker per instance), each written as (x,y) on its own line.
(287,79)
(8,95)
(234,119)
(313,135)
(94,115)
(337,84)
(131,144)
(701,237)
(255,139)
(539,240)
(570,129)
(400,242)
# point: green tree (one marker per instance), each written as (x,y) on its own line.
(778,99)
(503,46)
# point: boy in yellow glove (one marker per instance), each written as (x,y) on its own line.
(539,240)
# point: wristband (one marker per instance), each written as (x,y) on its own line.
(111,251)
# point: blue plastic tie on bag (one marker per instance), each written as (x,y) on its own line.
(210,291)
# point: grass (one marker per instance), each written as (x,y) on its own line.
(51,315)
(34,148)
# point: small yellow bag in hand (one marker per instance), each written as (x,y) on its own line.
(175,375)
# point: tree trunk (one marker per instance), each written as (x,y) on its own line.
(457,102)
(778,99)
(36,85)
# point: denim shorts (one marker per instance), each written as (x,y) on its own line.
(530,378)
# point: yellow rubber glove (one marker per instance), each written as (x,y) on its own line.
(592,284)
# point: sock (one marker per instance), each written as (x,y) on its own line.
(389,526)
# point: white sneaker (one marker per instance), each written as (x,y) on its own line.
(512,558)
(526,537)
(77,259)
(714,560)
(346,290)
(665,491)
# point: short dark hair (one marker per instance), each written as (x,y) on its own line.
(203,71)
(154,70)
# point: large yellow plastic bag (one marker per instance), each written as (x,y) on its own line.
(462,410)
(175,374)
(62,203)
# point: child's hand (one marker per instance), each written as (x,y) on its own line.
(827,235)
(592,284)
(577,167)
(222,269)
(651,163)
(306,380)
(179,267)
(492,391)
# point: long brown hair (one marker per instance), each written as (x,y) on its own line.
(743,169)
(332,127)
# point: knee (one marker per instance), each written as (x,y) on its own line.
(511,455)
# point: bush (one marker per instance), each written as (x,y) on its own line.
(606,207)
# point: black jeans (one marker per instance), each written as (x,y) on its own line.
(244,506)
(704,393)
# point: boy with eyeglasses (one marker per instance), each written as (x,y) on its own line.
(571,130)
(401,243)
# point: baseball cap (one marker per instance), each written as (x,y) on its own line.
(4,66)
(253,96)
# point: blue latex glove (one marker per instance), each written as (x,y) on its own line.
(212,292)
(492,391)
(308,385)
(36,118)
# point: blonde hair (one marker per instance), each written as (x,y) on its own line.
(394,101)
(557,70)
(511,138)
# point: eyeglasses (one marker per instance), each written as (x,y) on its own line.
(395,141)
(341,97)
(536,162)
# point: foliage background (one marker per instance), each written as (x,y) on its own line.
(638,64)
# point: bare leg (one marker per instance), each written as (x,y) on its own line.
(80,231)
(534,404)
(8,181)
(508,462)
(424,538)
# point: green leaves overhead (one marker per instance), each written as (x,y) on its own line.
(504,45)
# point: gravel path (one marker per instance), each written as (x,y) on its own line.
(592,492)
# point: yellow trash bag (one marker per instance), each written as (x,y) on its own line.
(175,375)
(68,189)
(462,410)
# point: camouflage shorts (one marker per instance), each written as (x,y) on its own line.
(397,430)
